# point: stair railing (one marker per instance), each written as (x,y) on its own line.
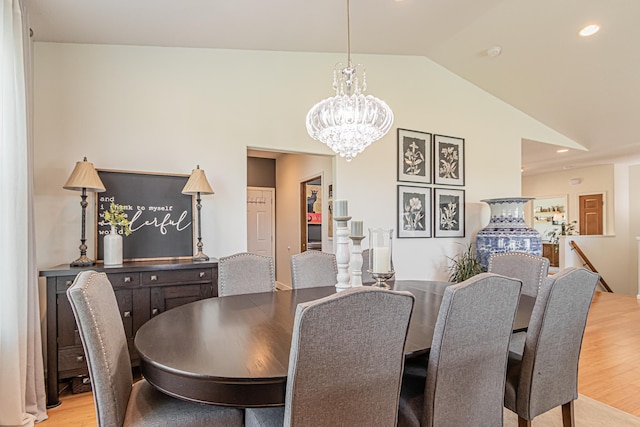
(586,261)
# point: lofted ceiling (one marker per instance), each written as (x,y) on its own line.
(588,89)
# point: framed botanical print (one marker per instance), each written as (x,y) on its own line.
(414,211)
(448,212)
(414,156)
(449,160)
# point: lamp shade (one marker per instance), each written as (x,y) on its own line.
(84,175)
(197,183)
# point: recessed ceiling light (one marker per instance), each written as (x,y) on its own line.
(494,51)
(589,30)
(562,150)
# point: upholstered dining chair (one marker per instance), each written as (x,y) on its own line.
(367,279)
(530,269)
(245,273)
(118,401)
(464,384)
(544,374)
(345,364)
(313,268)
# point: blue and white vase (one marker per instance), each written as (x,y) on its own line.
(507,231)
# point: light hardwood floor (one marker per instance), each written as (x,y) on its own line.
(609,370)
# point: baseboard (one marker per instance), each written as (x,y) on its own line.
(282,287)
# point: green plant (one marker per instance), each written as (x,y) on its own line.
(464,265)
(116,217)
(570,229)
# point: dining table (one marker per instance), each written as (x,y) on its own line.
(234,350)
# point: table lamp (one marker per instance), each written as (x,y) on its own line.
(84,178)
(197,185)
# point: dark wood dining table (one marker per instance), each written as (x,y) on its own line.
(234,350)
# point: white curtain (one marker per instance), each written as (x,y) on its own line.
(22,396)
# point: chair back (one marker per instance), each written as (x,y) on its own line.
(245,273)
(313,268)
(549,371)
(105,345)
(346,359)
(530,269)
(366,276)
(468,360)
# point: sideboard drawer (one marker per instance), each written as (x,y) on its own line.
(71,358)
(124,279)
(117,280)
(196,275)
(63,283)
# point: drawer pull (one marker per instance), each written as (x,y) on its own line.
(69,283)
(154,278)
(79,358)
(202,274)
(127,279)
(126,314)
(154,312)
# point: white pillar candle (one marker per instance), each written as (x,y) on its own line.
(340,208)
(381,262)
(356,228)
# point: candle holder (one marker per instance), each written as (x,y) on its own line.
(342,252)
(381,278)
(356,261)
(380,253)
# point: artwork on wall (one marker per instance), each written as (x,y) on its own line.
(414,211)
(449,160)
(449,212)
(160,216)
(414,156)
(314,204)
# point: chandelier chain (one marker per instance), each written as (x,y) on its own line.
(348,36)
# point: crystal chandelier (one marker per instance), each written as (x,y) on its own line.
(350,121)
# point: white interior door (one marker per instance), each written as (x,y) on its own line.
(260,221)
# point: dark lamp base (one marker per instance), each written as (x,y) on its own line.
(200,256)
(83,261)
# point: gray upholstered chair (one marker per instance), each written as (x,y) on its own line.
(545,374)
(245,273)
(530,269)
(466,369)
(118,401)
(345,364)
(367,279)
(313,268)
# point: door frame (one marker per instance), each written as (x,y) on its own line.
(273,217)
(302,209)
(604,207)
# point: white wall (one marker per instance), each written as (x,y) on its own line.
(594,180)
(168,109)
(291,170)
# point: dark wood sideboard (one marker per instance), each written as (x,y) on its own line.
(551,252)
(143,289)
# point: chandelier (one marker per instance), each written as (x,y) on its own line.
(350,121)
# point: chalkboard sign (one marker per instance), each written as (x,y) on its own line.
(160,216)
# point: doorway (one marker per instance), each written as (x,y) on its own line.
(261,221)
(311,214)
(591,221)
